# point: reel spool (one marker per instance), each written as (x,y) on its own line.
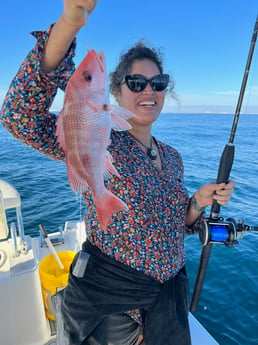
(220,231)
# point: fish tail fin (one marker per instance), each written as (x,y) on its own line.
(107,206)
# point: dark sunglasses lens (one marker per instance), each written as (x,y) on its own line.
(160,82)
(135,83)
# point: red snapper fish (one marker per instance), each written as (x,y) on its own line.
(83,131)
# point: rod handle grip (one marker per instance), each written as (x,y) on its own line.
(225,166)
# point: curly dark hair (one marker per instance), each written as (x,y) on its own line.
(140,51)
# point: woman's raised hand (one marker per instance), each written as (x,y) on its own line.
(73,18)
(76,11)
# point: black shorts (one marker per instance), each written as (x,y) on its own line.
(116,329)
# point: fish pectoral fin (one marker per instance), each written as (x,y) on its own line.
(120,111)
(60,130)
(109,167)
(119,116)
(119,124)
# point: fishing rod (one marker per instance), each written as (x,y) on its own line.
(215,229)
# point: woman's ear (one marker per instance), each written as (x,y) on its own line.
(117,96)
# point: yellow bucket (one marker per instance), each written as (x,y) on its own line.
(53,278)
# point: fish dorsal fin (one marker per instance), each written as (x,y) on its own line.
(119,117)
(60,130)
(109,167)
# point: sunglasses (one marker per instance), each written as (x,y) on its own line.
(137,82)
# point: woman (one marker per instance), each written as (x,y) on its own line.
(128,285)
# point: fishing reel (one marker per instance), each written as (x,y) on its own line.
(221,231)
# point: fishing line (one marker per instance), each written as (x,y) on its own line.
(82,45)
(81,219)
(84,32)
(78,197)
(80,201)
(81,214)
(83,42)
(251,85)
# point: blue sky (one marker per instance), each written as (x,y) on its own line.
(205,44)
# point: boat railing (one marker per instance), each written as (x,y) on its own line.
(10,199)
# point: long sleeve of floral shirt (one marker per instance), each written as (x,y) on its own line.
(25,111)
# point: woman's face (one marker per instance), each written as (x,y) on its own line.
(146,104)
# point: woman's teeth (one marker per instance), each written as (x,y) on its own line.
(147,104)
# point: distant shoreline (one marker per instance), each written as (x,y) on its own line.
(206,113)
(186,113)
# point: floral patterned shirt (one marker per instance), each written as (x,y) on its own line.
(150,236)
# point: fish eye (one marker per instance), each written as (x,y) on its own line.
(86,76)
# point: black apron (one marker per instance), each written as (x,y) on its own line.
(109,287)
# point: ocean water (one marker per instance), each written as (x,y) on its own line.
(229,303)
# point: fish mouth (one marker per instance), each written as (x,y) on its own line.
(98,56)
